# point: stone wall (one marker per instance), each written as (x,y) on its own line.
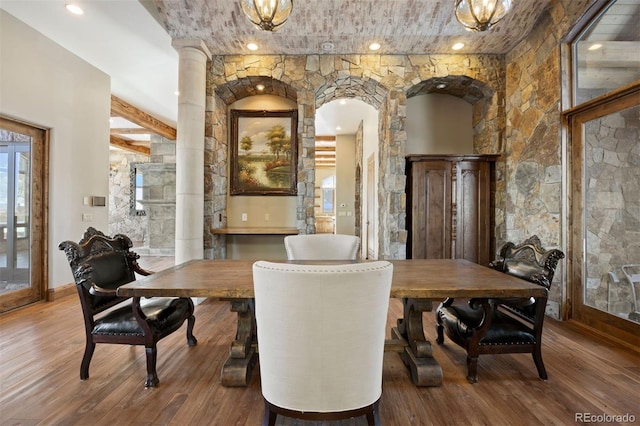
(159,202)
(532,197)
(383,81)
(150,233)
(120,219)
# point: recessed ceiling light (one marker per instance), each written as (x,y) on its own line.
(252,46)
(374,46)
(595,46)
(76,10)
(328,46)
(338,128)
(457,46)
(343,101)
(260,87)
(441,85)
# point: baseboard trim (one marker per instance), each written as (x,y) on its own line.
(61,291)
(588,329)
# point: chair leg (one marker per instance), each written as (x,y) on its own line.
(269,416)
(440,332)
(86,360)
(537,358)
(373,416)
(152,377)
(472,369)
(191,340)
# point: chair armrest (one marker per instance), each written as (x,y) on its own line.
(448,302)
(138,270)
(133,262)
(514,301)
(96,290)
(487,306)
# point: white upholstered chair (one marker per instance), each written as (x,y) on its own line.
(321,333)
(322,247)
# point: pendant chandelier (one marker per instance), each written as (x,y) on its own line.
(267,15)
(480,15)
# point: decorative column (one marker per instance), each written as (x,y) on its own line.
(192,76)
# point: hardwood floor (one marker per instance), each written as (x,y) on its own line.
(41,347)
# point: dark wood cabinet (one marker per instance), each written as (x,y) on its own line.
(450,207)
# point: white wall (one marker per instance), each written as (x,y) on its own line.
(44,84)
(345,184)
(439,124)
(281,209)
(370,146)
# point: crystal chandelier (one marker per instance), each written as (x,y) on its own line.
(267,15)
(480,15)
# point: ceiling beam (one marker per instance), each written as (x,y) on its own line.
(125,144)
(129,131)
(120,108)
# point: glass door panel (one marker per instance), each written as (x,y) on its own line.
(23,170)
(612,212)
(604,145)
(15,200)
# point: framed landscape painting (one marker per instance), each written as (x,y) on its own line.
(263,152)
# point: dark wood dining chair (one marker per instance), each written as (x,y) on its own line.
(100,264)
(499,326)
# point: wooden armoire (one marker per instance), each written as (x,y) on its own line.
(450,207)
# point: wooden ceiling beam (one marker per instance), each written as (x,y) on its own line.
(126,145)
(120,108)
(129,131)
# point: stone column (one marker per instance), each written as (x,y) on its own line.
(192,76)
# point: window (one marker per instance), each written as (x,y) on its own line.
(328,194)
(137,191)
(606,54)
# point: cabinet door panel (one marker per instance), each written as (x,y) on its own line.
(431,210)
(473,225)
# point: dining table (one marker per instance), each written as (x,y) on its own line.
(417,282)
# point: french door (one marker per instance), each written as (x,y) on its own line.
(22,237)
(605,206)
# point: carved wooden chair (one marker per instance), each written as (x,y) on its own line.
(100,264)
(321,334)
(322,247)
(499,326)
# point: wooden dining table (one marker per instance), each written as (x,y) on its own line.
(418,282)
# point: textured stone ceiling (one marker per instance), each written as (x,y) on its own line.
(400,26)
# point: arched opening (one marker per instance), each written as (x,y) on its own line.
(222,210)
(431,110)
(353,104)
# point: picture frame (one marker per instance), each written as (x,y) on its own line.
(264,152)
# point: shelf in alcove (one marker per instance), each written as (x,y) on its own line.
(255,230)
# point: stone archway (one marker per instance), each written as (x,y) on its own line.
(383,81)
(488,123)
(477,93)
(217,149)
(376,95)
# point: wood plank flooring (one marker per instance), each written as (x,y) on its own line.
(41,347)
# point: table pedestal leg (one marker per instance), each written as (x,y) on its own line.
(236,370)
(418,355)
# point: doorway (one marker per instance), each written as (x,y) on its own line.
(605,205)
(22,201)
